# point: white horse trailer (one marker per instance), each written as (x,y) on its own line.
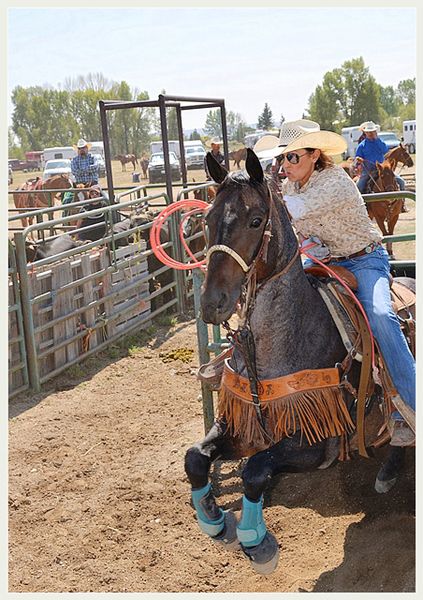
(409,135)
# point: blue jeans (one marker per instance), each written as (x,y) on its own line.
(364,179)
(372,274)
(401,183)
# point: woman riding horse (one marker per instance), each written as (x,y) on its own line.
(252,240)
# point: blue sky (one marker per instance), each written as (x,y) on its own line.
(248,56)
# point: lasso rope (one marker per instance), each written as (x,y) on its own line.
(194,207)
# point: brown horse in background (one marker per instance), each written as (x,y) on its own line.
(144,166)
(399,154)
(237,156)
(32,195)
(126,158)
(385,211)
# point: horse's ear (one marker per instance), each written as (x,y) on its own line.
(253,166)
(378,165)
(216,170)
(391,162)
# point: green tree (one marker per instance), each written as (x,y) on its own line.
(236,126)
(172,124)
(265,120)
(213,124)
(195,135)
(389,100)
(348,95)
(407,91)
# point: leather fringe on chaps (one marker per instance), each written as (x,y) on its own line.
(319,414)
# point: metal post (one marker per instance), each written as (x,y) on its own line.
(203,340)
(107,157)
(224,134)
(180,287)
(33,370)
(181,145)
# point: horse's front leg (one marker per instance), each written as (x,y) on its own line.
(218,524)
(392,221)
(258,544)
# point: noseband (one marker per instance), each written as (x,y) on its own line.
(262,253)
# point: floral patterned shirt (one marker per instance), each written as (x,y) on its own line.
(330,207)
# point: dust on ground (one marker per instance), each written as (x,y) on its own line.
(99,501)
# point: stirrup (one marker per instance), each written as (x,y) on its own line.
(211,372)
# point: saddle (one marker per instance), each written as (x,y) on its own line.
(355,335)
(234,391)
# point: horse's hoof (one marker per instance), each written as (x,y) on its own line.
(384,486)
(227,537)
(264,557)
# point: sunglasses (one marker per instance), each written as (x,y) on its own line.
(292,157)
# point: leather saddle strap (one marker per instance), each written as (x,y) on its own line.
(365,377)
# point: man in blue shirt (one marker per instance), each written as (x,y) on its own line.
(84,166)
(371,150)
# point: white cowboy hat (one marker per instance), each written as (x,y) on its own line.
(81,144)
(216,141)
(290,131)
(267,142)
(368,126)
(327,141)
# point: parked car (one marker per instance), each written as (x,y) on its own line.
(58,167)
(101,165)
(194,157)
(156,168)
(10,177)
(390,139)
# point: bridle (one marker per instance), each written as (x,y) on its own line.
(243,336)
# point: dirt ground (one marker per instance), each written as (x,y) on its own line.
(99,501)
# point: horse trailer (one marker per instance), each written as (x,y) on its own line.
(409,135)
(57,153)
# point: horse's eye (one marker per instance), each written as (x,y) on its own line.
(256,222)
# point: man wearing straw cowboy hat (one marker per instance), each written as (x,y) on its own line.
(84,166)
(216,153)
(324,202)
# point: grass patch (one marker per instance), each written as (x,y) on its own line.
(166,320)
(76,371)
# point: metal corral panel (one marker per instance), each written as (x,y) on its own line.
(18,369)
(80,303)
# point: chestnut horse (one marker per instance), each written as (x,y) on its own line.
(32,195)
(399,154)
(126,158)
(237,156)
(386,211)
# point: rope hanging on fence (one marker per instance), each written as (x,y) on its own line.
(193,207)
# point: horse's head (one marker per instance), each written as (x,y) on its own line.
(385,181)
(404,157)
(57,182)
(236,222)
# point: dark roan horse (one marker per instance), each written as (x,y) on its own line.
(125,159)
(290,330)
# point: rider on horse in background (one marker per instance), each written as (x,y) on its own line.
(325,207)
(371,150)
